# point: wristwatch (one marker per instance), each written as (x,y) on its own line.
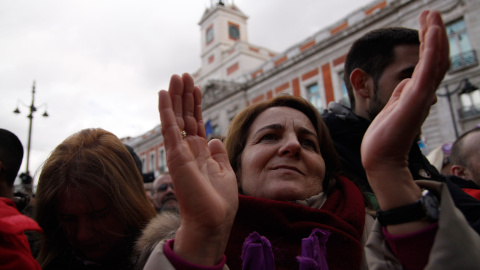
(427,208)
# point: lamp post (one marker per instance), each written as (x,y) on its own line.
(465,86)
(26,177)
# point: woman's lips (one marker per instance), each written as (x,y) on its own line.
(288,167)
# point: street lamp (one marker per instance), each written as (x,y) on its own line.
(26,178)
(465,87)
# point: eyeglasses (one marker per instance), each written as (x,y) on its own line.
(163,187)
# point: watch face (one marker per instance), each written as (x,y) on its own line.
(233,31)
(209,36)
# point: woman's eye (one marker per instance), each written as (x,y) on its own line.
(268,137)
(309,143)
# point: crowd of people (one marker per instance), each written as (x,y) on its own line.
(287,188)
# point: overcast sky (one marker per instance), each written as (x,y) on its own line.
(101,63)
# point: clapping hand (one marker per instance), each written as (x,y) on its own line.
(387,142)
(205,184)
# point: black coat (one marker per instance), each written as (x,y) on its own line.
(347,130)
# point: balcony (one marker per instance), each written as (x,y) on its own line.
(469,111)
(463,60)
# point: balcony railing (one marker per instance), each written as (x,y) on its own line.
(464,59)
(469,111)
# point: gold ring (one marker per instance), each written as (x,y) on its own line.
(184,134)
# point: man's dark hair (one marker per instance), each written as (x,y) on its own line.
(374,52)
(458,154)
(11,155)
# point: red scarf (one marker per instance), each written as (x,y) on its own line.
(285,224)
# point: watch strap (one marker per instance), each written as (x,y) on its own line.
(403,214)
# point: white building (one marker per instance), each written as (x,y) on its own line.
(235,73)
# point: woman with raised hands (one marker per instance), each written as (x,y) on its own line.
(271,198)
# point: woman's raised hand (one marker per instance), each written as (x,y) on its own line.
(205,184)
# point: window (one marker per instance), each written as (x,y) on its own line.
(313,95)
(344,100)
(152,162)
(470,103)
(209,35)
(461,51)
(162,160)
(144,164)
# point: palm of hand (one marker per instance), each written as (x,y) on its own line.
(387,142)
(205,183)
(390,135)
(211,195)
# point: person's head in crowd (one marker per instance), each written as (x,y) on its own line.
(90,201)
(375,64)
(164,194)
(284,136)
(11,155)
(465,156)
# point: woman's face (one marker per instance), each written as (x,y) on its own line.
(88,222)
(282,159)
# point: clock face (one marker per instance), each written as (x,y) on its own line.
(209,37)
(233,31)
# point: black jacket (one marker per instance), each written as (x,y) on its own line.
(347,130)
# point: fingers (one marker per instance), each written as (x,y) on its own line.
(219,154)
(170,128)
(423,29)
(186,104)
(443,41)
(197,95)
(434,59)
(175,90)
(434,40)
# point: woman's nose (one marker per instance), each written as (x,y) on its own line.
(290,146)
(85,230)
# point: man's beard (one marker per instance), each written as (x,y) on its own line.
(376,106)
(169,208)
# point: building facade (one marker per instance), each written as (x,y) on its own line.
(235,73)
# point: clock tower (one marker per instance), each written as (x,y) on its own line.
(221,26)
(225,51)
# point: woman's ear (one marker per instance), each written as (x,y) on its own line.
(360,83)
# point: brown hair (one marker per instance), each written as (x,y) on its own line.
(97,159)
(239,127)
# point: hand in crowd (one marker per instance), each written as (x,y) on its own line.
(387,142)
(204,181)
